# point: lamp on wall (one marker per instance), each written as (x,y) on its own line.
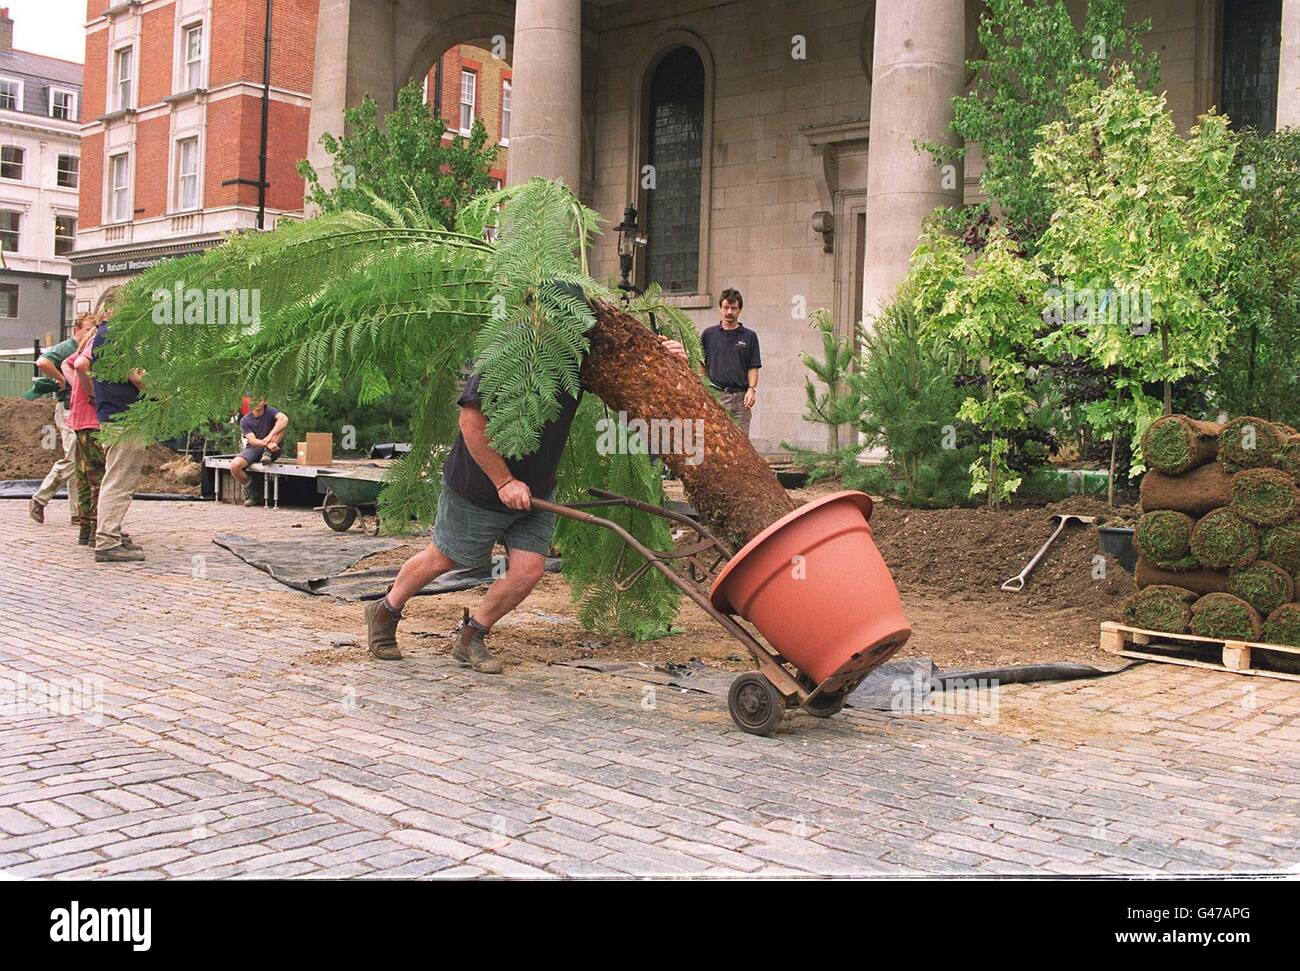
(628,241)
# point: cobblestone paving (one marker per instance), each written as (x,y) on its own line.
(229,738)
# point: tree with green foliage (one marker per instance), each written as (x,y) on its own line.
(1258,372)
(401,157)
(399,300)
(1143,235)
(894,391)
(991,309)
(1032,55)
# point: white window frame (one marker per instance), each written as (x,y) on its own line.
(58,156)
(72,108)
(112,189)
(23,176)
(507,97)
(178,176)
(64,215)
(183,56)
(473,99)
(18,232)
(18,99)
(115,68)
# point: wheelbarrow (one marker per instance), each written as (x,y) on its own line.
(347,496)
(824,608)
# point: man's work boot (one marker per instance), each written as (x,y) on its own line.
(471,651)
(381,631)
(87,534)
(119,554)
(250,498)
(36,510)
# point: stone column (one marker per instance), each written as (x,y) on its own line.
(354,57)
(546,113)
(918,67)
(1288,69)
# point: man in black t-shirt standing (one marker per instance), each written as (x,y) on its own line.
(732,359)
(485,498)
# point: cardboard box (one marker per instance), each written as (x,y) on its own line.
(316,449)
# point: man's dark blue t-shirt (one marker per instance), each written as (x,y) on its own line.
(537,470)
(259,426)
(729,354)
(110,396)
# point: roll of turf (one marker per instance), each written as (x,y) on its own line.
(1162,608)
(1263,585)
(1281,545)
(1227,617)
(1164,537)
(1222,540)
(1283,626)
(1265,497)
(1200,581)
(1175,443)
(1250,443)
(1196,492)
(1290,459)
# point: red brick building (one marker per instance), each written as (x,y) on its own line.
(172,128)
(467,84)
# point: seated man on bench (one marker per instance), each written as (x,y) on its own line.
(263,430)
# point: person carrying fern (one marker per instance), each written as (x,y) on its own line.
(485,499)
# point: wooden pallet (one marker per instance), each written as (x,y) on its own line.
(1137,643)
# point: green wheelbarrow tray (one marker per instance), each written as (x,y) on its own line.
(348,495)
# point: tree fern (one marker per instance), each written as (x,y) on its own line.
(396,300)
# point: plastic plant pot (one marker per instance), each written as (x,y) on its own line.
(815,586)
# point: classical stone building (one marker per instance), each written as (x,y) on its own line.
(780,135)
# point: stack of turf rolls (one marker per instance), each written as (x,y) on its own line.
(1219,539)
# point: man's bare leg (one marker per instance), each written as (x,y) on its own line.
(382,616)
(522,573)
(416,573)
(523,570)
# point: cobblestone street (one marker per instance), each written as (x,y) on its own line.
(224,745)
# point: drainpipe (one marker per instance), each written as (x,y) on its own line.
(437,87)
(266,116)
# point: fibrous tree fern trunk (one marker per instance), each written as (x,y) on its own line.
(732,488)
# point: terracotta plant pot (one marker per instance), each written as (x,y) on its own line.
(815,586)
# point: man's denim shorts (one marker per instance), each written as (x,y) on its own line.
(466,533)
(254,454)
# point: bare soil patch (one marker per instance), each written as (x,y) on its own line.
(22,455)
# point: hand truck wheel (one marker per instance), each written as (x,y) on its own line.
(755,705)
(825,705)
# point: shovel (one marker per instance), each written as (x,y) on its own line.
(1017,582)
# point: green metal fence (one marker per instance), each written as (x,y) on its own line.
(16,372)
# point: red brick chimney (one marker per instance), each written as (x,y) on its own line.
(6,30)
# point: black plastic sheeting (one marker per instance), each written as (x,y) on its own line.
(315,564)
(905,686)
(26,488)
